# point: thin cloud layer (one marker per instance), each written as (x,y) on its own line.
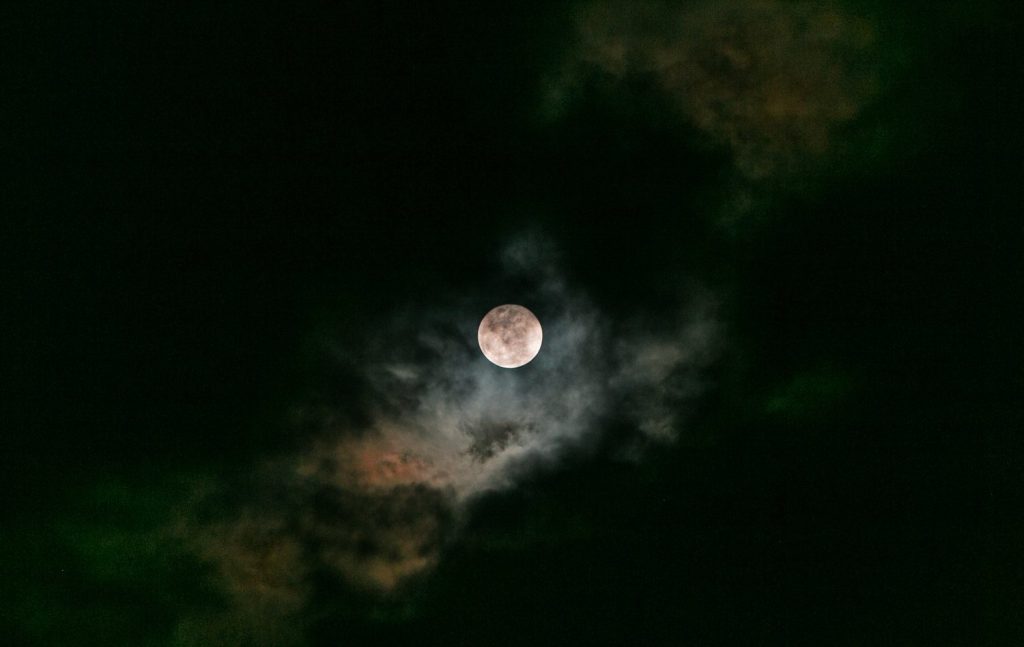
(373,505)
(771,80)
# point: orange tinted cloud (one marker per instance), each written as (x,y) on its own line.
(771,80)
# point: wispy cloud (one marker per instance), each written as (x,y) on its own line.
(374,504)
(772,81)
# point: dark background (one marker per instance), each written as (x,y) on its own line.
(190,191)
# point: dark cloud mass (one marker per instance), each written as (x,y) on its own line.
(374,505)
(773,81)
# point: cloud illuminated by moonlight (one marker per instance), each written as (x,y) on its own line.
(373,504)
(771,80)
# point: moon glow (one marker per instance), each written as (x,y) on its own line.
(510,336)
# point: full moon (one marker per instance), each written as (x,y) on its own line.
(510,336)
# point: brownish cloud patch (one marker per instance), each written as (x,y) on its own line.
(771,80)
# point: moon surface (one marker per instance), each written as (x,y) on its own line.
(510,336)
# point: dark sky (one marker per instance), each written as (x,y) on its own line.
(222,224)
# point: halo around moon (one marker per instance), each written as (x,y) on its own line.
(510,336)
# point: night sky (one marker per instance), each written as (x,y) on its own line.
(776,247)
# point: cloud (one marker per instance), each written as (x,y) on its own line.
(772,81)
(261,573)
(373,505)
